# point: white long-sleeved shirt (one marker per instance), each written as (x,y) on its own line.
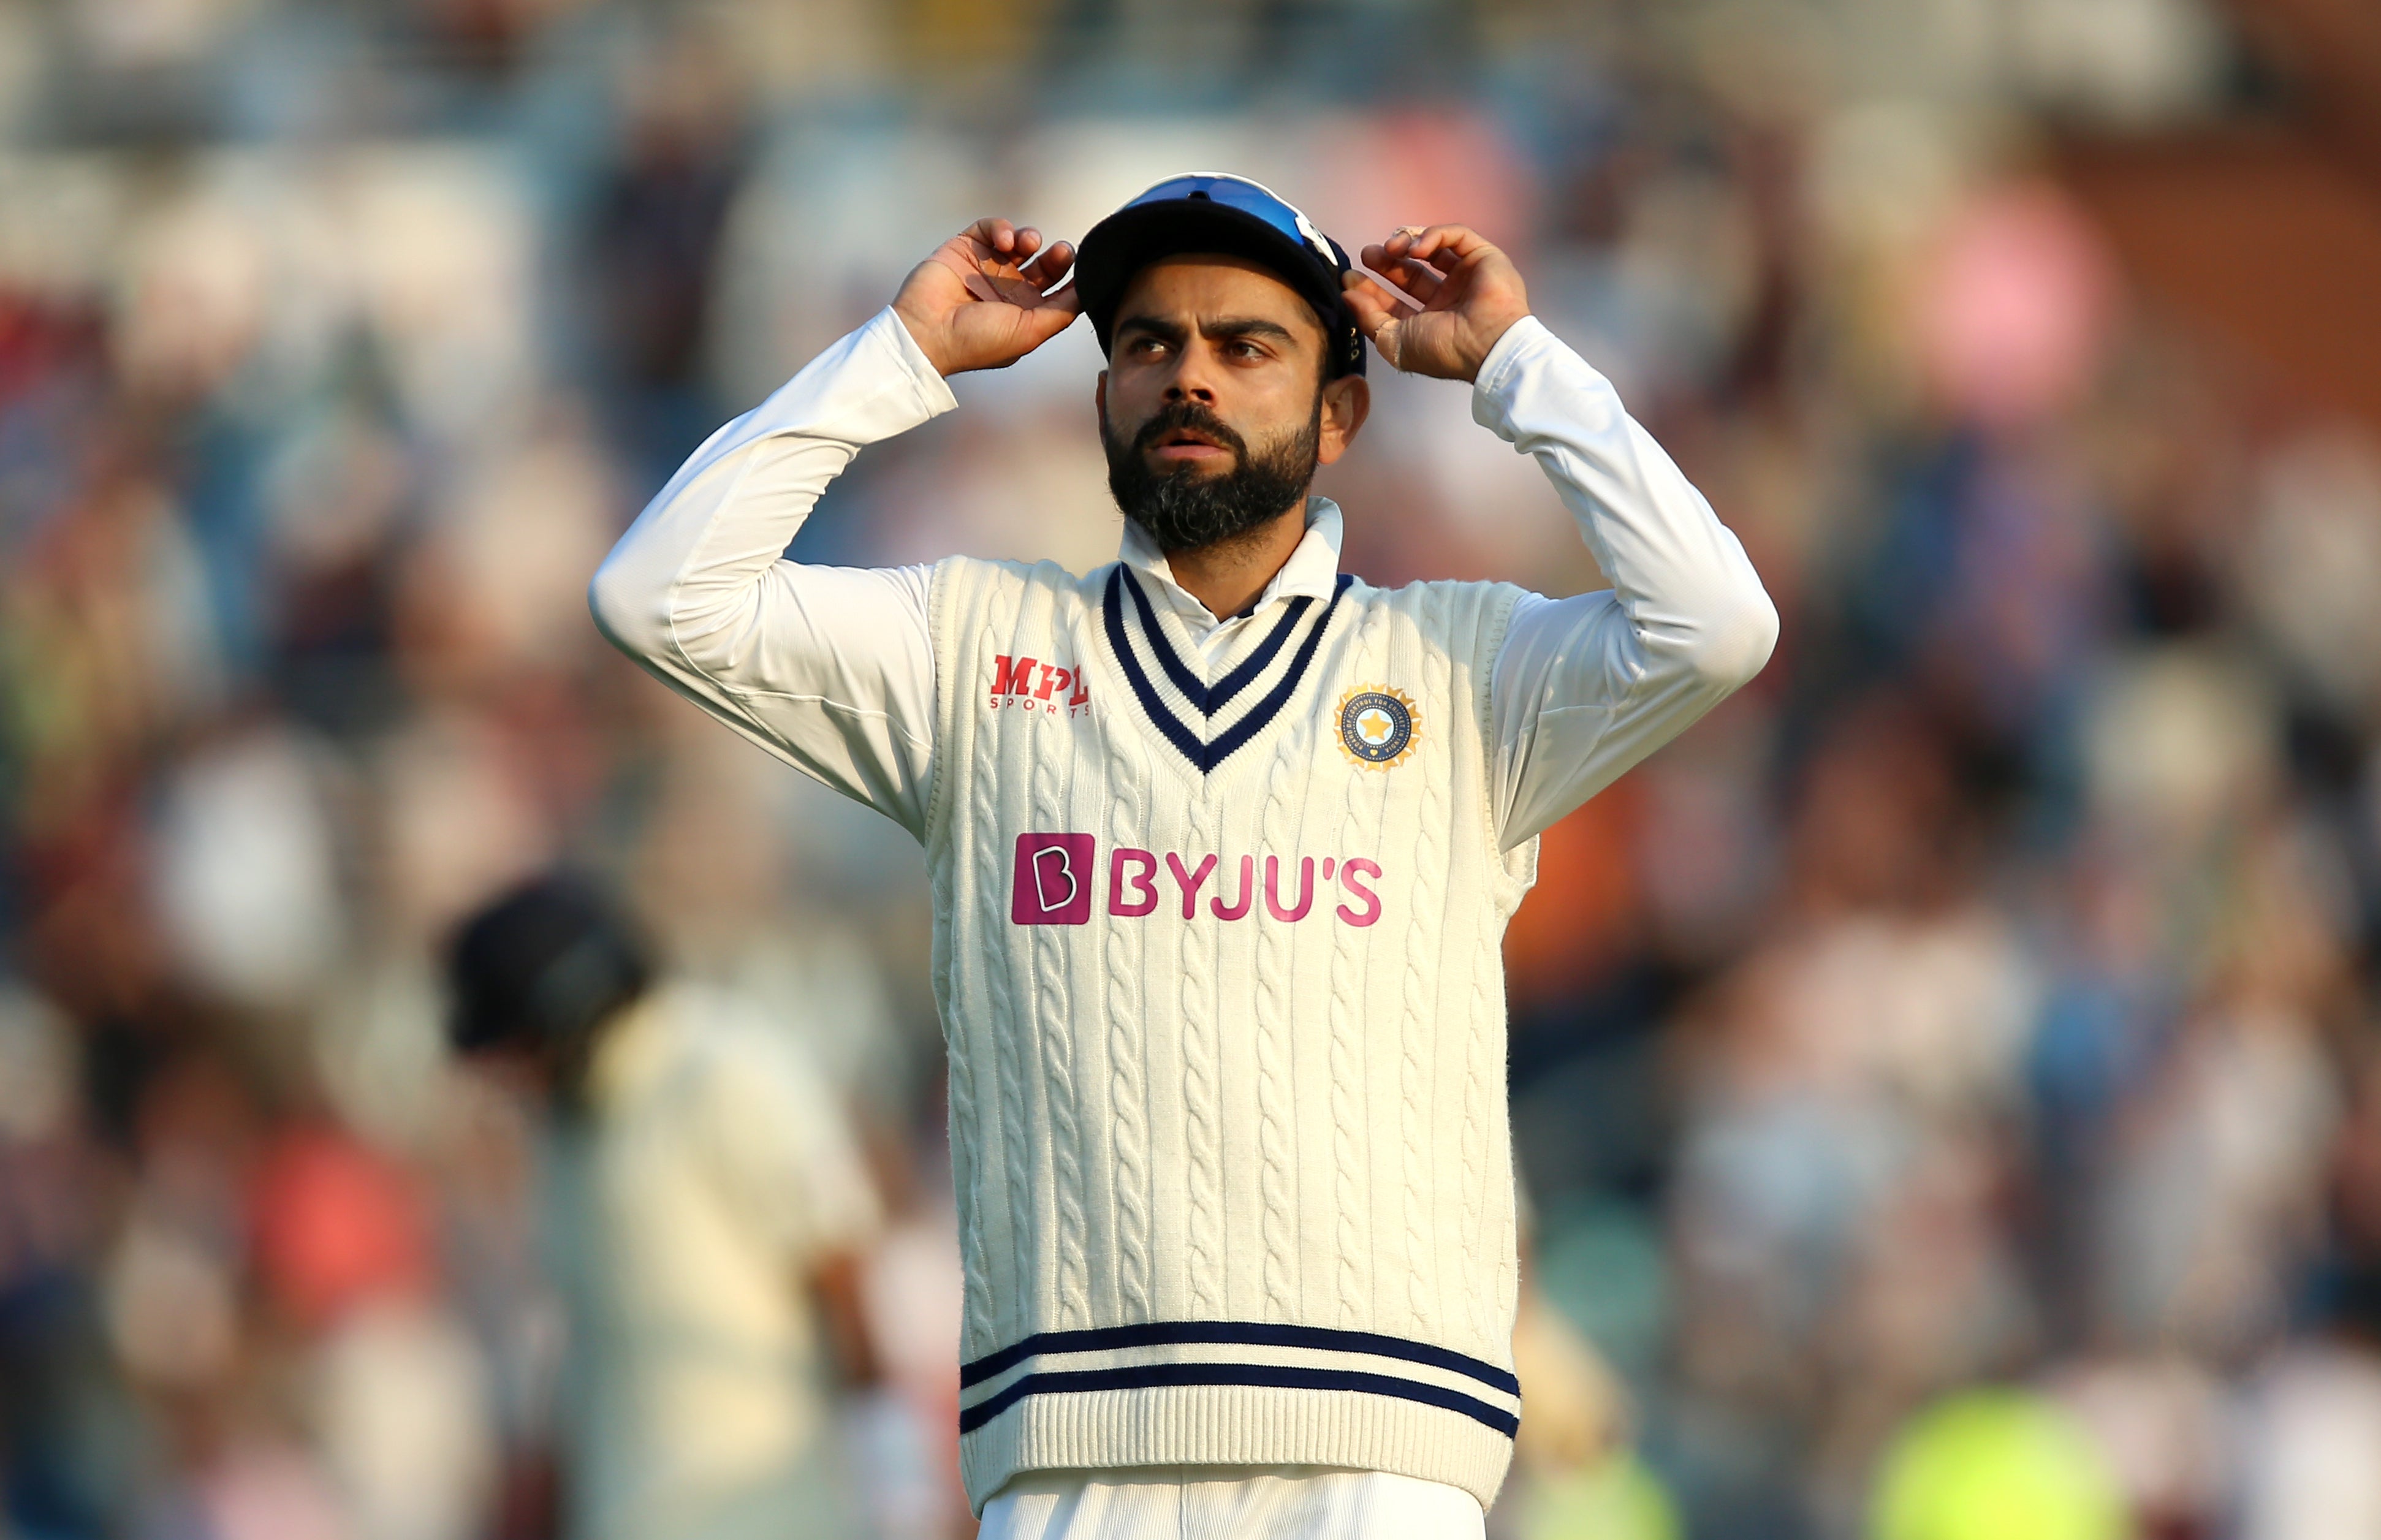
(832,668)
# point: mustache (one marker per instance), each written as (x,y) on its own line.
(1183,510)
(1175,416)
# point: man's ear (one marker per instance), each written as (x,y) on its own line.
(1347,401)
(1099,401)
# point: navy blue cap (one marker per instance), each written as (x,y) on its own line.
(1211,210)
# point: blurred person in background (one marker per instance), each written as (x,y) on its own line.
(2310,1443)
(706,1204)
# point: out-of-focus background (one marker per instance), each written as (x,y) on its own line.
(1947,1082)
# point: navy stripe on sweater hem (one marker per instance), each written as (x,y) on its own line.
(1271,1377)
(1252,1334)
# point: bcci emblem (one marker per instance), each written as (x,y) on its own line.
(1376,725)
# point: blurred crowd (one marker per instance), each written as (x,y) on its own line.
(1947,1083)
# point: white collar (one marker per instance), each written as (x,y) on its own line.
(1313,570)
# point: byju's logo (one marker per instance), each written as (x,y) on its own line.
(1054,874)
(1054,880)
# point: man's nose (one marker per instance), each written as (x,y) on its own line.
(1193,377)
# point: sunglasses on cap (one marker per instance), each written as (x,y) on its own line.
(1249,198)
(1210,211)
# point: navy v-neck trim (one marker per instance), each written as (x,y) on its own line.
(1204,755)
(1210,698)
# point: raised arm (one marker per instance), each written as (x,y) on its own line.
(1588,686)
(830,669)
(1584,686)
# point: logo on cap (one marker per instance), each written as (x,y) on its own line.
(1314,236)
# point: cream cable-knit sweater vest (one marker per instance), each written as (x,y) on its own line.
(1219,969)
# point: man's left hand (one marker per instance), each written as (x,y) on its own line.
(1470,293)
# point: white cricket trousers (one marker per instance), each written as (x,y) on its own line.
(1290,1502)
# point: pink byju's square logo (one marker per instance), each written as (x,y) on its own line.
(1054,880)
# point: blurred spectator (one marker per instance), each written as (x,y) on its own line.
(658,223)
(704,1191)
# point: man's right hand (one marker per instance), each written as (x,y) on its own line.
(978,301)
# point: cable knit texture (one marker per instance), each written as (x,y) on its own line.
(1054,1010)
(1278,1210)
(1430,929)
(1203,1110)
(1228,1041)
(1002,1211)
(1350,1138)
(1127,1101)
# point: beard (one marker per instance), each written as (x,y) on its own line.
(1182,509)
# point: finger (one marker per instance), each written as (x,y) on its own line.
(1065,298)
(1028,240)
(998,234)
(1417,278)
(1051,262)
(960,258)
(1033,327)
(1375,310)
(1382,268)
(1063,272)
(1447,259)
(1421,243)
(1053,315)
(1460,240)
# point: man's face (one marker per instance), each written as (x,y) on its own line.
(525,1071)
(1213,409)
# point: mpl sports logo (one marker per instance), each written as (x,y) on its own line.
(1028,684)
(1056,881)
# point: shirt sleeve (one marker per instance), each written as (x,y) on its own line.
(831,669)
(1584,688)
